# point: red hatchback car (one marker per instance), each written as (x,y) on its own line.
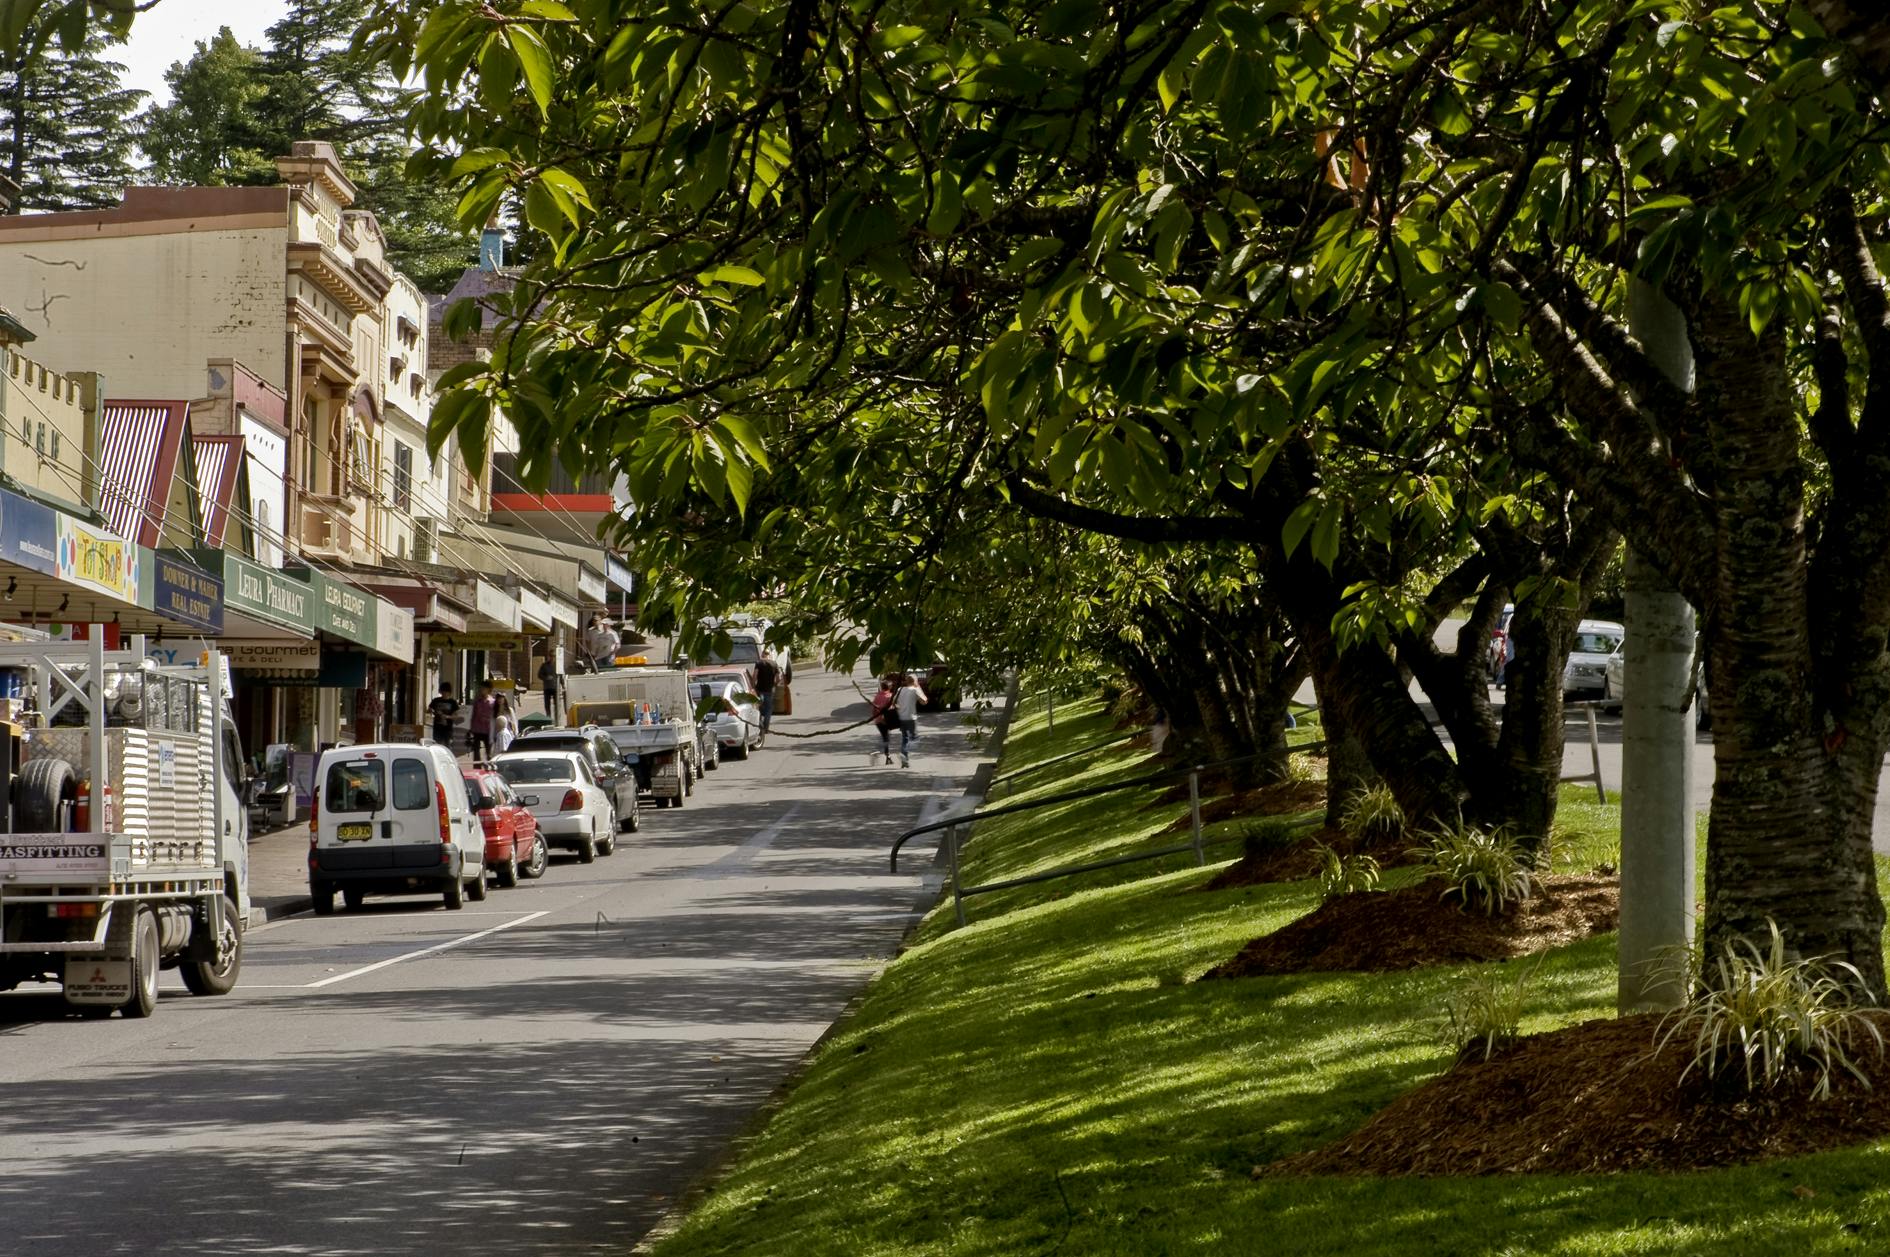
(513,845)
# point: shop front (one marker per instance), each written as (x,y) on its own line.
(269,635)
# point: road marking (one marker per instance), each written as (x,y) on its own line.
(424,951)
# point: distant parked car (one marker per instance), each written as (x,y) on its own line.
(1587,670)
(614,774)
(561,792)
(735,717)
(513,847)
(1614,686)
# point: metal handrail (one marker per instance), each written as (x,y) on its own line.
(1196,844)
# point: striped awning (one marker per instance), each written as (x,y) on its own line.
(141,444)
(219,468)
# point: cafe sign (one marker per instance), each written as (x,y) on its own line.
(289,656)
(95,559)
(343,609)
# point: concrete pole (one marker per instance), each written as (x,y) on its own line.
(1657,823)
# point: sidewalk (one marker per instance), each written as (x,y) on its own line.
(278,873)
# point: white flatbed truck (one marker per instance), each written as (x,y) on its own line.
(126,845)
(667,750)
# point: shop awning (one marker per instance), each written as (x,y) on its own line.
(534,611)
(262,603)
(223,479)
(148,474)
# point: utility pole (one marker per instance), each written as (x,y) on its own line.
(1657,823)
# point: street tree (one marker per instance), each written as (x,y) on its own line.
(1174,254)
(208,134)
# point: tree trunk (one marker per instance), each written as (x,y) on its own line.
(1529,751)
(1348,768)
(1789,835)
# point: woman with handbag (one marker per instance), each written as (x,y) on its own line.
(885,718)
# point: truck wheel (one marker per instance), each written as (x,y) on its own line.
(353,899)
(455,895)
(144,966)
(476,886)
(323,897)
(203,977)
(39,788)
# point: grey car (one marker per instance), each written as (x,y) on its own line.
(615,775)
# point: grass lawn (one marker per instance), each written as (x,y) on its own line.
(1052,1079)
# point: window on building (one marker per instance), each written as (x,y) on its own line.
(403,477)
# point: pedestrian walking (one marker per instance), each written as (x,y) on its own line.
(479,728)
(767,676)
(548,678)
(885,719)
(504,724)
(906,702)
(443,709)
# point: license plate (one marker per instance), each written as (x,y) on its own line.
(354,833)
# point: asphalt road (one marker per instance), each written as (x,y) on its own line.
(539,1073)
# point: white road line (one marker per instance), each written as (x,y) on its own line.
(424,951)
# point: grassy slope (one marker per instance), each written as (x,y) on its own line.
(1051,1079)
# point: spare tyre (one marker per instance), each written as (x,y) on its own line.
(39,788)
(38,791)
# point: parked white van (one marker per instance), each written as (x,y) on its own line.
(392,818)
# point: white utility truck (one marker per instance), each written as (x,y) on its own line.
(647,712)
(126,843)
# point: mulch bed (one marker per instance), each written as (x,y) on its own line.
(1297,861)
(1412,927)
(1596,1098)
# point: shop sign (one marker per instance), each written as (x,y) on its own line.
(29,533)
(480,641)
(343,610)
(93,558)
(590,585)
(339,669)
(186,593)
(266,595)
(393,630)
(564,613)
(296,656)
(619,573)
(496,605)
(534,611)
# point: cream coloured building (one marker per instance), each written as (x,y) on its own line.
(290,282)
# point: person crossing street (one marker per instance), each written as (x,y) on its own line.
(907,700)
(767,676)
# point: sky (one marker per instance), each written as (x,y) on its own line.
(171,31)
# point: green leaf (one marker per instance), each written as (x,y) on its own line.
(568,184)
(475,160)
(542,212)
(948,204)
(744,435)
(1503,306)
(546,10)
(455,376)
(741,276)
(1325,534)
(535,59)
(1294,530)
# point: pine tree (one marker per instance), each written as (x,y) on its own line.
(67,125)
(209,133)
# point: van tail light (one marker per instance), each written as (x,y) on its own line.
(314,818)
(573,801)
(446,820)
